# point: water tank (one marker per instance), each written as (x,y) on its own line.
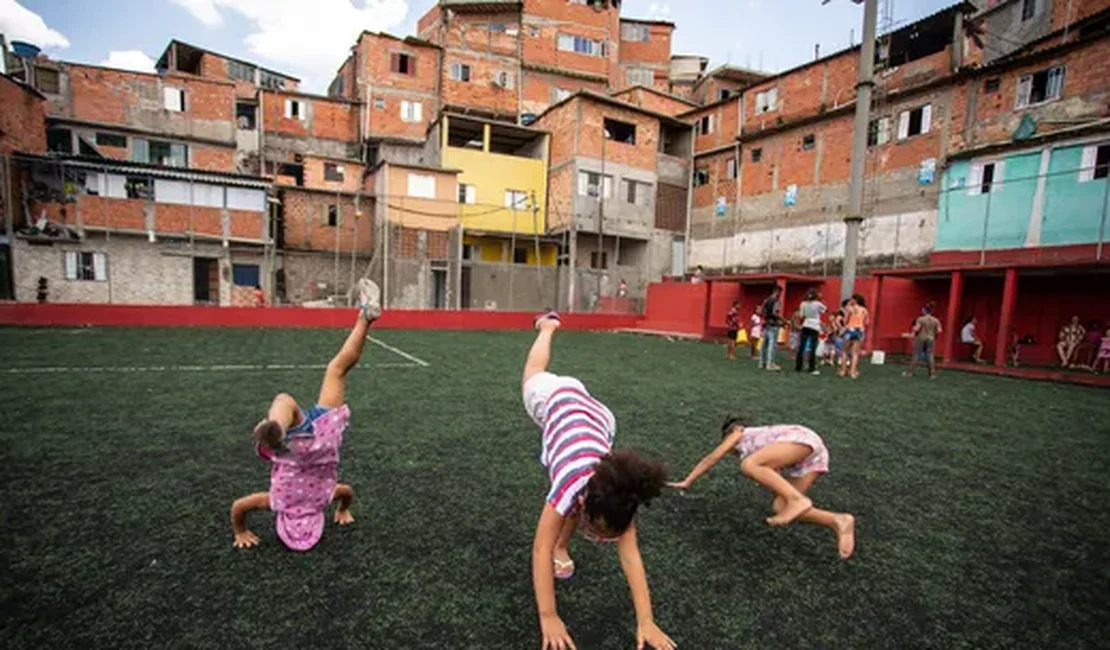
(25,50)
(527,119)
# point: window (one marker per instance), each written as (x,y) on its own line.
(767,100)
(701,176)
(730,168)
(985,178)
(757,154)
(620,131)
(992,85)
(635,192)
(401,63)
(640,76)
(59,140)
(591,184)
(422,186)
(1028,9)
(581,45)
(497,28)
(379,103)
(412,111)
(723,94)
(333,172)
(520,255)
(139,187)
(915,122)
(240,71)
(599,259)
(809,142)
(111,140)
(635,33)
(559,94)
(48,81)
(460,72)
(516,200)
(467,194)
(270,80)
(294,109)
(1043,86)
(504,79)
(245,275)
(704,126)
(86,266)
(878,131)
(173,99)
(1095,163)
(333,215)
(245,116)
(157,152)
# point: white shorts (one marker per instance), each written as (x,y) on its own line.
(538,389)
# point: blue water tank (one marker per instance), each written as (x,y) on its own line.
(527,119)
(24,49)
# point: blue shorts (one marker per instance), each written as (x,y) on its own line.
(838,343)
(854,334)
(304,429)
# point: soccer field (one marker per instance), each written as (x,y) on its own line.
(981,502)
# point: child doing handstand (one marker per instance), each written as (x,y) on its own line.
(304,449)
(592,487)
(786,459)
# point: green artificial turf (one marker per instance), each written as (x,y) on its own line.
(981,502)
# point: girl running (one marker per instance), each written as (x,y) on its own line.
(786,459)
(304,449)
(732,325)
(856,324)
(592,487)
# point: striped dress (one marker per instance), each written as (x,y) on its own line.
(578,430)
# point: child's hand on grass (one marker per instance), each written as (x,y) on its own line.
(555,635)
(649,634)
(343,517)
(245,539)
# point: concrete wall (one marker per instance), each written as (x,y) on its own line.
(1006,31)
(138,272)
(620,216)
(317,275)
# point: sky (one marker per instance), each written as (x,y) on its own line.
(310,38)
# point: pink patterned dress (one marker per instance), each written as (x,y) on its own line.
(756,438)
(303,479)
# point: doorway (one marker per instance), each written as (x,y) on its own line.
(439,288)
(206,281)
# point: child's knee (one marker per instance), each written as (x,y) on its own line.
(748,466)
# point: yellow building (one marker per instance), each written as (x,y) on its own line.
(502,187)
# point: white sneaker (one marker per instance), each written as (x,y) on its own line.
(369,299)
(815,373)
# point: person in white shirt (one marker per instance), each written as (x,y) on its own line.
(810,313)
(971,339)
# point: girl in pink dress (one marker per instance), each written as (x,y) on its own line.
(1103,358)
(786,459)
(303,448)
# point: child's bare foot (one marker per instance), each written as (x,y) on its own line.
(564,566)
(343,517)
(845,535)
(548,322)
(245,539)
(790,512)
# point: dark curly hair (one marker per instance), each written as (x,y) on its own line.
(743,421)
(622,480)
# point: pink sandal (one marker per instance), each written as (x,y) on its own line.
(564,570)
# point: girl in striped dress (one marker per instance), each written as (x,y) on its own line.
(593,489)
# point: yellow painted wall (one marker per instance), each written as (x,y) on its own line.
(492,174)
(495,249)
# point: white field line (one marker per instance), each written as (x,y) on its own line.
(402,353)
(44,370)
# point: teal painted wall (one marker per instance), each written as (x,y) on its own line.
(1010,205)
(1072,210)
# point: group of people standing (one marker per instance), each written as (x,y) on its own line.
(840,337)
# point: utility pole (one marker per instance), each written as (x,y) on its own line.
(864,88)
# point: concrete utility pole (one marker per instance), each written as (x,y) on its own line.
(864,87)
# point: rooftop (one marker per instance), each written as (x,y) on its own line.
(194,50)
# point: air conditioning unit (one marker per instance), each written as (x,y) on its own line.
(502,80)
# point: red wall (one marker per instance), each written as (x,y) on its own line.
(675,307)
(189,316)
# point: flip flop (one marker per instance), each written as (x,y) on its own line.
(564,570)
(542,317)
